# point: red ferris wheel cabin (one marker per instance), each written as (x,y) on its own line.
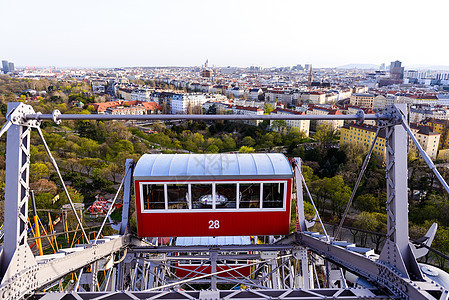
(213,194)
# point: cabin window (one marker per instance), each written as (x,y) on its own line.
(273,195)
(177,196)
(202,196)
(225,195)
(217,195)
(153,196)
(249,194)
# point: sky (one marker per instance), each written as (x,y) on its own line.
(324,33)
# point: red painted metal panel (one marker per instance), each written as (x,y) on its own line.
(213,222)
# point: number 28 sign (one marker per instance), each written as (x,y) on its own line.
(214,224)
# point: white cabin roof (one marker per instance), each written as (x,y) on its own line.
(213,166)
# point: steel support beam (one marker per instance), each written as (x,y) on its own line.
(223,248)
(127,192)
(396,251)
(344,294)
(376,272)
(299,195)
(57,116)
(16,189)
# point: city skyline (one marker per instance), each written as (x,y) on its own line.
(186,33)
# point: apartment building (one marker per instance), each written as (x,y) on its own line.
(126,110)
(313,97)
(141,95)
(254,93)
(301,125)
(281,96)
(441,127)
(125,94)
(419,113)
(427,138)
(237,92)
(364,135)
(319,110)
(182,103)
(244,110)
(362,100)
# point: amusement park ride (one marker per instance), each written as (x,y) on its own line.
(210,205)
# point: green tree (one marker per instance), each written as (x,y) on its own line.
(38,171)
(123,146)
(215,141)
(246,149)
(278,124)
(267,108)
(228,143)
(212,149)
(44,200)
(87,147)
(324,134)
(340,194)
(366,221)
(307,173)
(331,191)
(367,202)
(89,164)
(441,242)
(248,141)
(74,195)
(111,172)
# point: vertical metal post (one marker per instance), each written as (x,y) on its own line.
(127,188)
(306,276)
(275,275)
(120,273)
(304,279)
(213,269)
(299,195)
(120,276)
(94,279)
(16,190)
(397,251)
(311,276)
(152,270)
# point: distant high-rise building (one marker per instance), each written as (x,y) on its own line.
(11,66)
(396,71)
(5,66)
(382,67)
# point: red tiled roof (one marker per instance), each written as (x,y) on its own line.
(248,108)
(102,107)
(288,111)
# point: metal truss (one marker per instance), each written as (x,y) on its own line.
(297,294)
(293,267)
